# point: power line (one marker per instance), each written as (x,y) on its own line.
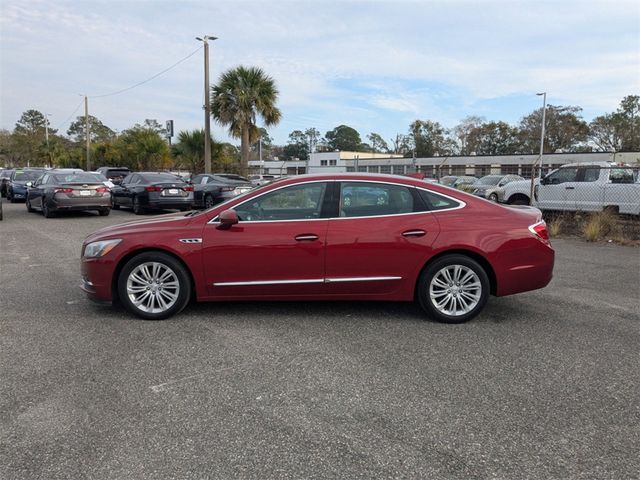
(69,117)
(148,79)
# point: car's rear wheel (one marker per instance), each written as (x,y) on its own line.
(453,289)
(137,208)
(46,210)
(208,201)
(104,212)
(154,286)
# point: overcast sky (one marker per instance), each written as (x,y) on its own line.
(375,65)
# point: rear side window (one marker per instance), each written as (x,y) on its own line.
(435,201)
(591,174)
(364,199)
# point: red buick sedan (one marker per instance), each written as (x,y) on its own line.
(325,237)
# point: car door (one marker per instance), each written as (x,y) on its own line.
(589,192)
(557,191)
(36,192)
(377,243)
(123,194)
(275,250)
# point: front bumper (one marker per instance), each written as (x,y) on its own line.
(96,280)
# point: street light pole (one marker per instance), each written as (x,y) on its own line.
(86,131)
(207,104)
(544,111)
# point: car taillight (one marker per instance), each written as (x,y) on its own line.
(540,231)
(188,188)
(102,189)
(153,188)
(63,190)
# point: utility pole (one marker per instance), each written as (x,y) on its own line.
(544,111)
(46,135)
(86,131)
(207,104)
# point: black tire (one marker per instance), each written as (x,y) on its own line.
(46,210)
(493,197)
(29,207)
(433,269)
(10,197)
(137,208)
(115,206)
(183,278)
(104,212)
(208,201)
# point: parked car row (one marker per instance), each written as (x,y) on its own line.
(54,190)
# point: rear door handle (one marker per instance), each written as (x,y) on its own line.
(307,237)
(570,188)
(414,233)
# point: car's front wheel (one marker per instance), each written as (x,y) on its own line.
(154,286)
(493,197)
(453,289)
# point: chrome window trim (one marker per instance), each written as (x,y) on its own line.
(461,203)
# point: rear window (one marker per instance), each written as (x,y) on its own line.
(161,177)
(26,176)
(435,201)
(82,177)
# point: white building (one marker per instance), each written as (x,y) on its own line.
(436,167)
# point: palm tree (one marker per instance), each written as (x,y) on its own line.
(189,150)
(241,95)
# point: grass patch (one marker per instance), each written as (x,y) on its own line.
(600,225)
(555,226)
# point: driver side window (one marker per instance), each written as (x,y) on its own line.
(298,202)
(563,175)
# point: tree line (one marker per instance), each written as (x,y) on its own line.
(245,95)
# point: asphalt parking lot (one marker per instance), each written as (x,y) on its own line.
(541,385)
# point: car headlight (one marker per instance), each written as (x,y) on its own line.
(100,248)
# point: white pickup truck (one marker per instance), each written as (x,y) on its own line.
(589,187)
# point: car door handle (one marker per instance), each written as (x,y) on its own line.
(307,237)
(570,188)
(414,233)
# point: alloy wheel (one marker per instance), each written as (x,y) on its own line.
(153,287)
(455,290)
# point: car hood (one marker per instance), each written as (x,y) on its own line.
(162,222)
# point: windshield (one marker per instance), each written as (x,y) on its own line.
(489,180)
(81,177)
(28,176)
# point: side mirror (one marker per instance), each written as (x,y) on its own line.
(227,219)
(29,184)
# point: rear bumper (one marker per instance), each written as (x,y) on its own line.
(516,275)
(74,204)
(170,203)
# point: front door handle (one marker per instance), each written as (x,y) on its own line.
(414,233)
(570,188)
(307,237)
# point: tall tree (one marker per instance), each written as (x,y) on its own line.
(378,145)
(493,138)
(28,139)
(143,149)
(297,147)
(242,95)
(429,139)
(564,130)
(313,134)
(462,132)
(98,131)
(620,130)
(343,138)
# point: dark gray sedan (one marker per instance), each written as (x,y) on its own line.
(68,190)
(143,191)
